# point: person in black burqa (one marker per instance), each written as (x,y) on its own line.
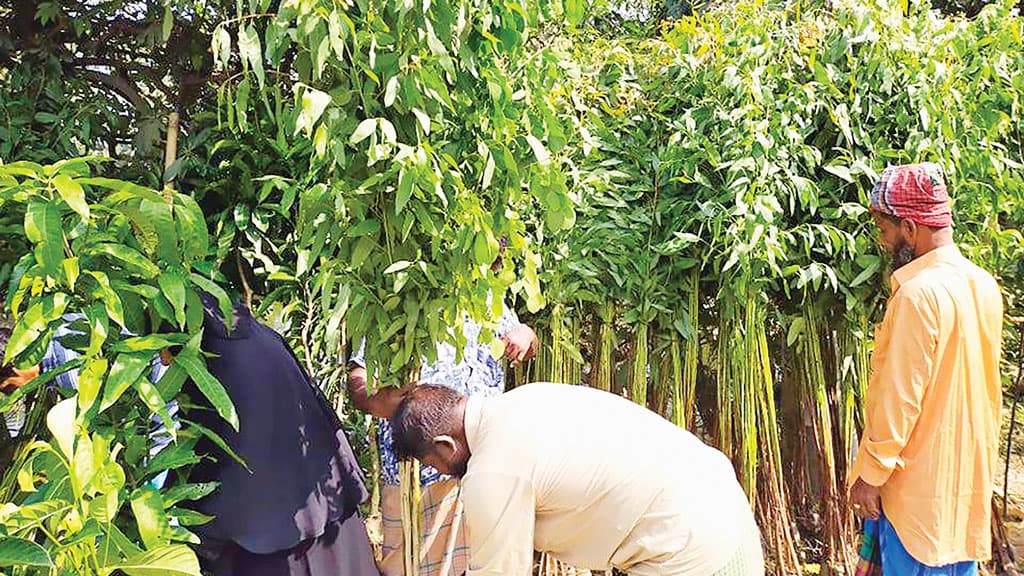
(294,511)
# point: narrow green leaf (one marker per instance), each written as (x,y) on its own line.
(391,91)
(223,300)
(132,259)
(127,369)
(189,492)
(34,323)
(405,186)
(172,284)
(71,272)
(220,443)
(111,301)
(213,390)
(363,131)
(539,151)
(43,229)
(156,404)
(222,47)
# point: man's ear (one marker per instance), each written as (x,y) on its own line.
(908,229)
(445,444)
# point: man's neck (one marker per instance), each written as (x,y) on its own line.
(934,240)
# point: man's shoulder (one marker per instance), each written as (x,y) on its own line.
(939,286)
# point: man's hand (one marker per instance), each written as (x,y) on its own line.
(385,401)
(520,344)
(866,500)
(18,378)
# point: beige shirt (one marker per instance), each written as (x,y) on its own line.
(597,481)
(931,440)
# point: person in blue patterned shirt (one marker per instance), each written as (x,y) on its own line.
(56,355)
(478,375)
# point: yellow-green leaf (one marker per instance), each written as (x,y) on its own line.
(72,193)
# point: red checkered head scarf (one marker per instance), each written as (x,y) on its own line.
(914,192)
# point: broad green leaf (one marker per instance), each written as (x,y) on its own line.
(21,552)
(842,172)
(497,348)
(23,168)
(72,194)
(485,248)
(108,479)
(187,517)
(90,381)
(167,25)
(99,327)
(104,507)
(320,141)
(213,390)
(170,560)
(387,129)
(365,228)
(171,381)
(148,509)
(83,466)
(122,542)
(867,273)
(89,533)
(60,420)
(173,456)
(191,223)
(422,119)
(158,216)
(575,11)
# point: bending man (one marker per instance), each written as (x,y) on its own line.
(585,475)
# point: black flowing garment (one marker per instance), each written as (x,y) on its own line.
(303,484)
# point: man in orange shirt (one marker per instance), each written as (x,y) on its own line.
(923,474)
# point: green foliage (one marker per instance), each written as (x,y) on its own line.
(114,262)
(429,138)
(743,143)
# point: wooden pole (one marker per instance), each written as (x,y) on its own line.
(171,150)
